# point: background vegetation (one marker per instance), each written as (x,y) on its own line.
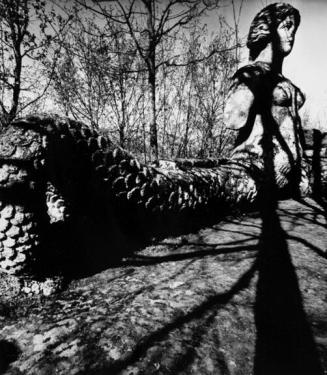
(147,72)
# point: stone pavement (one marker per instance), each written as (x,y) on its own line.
(244,296)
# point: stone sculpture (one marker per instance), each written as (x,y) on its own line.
(263,105)
(55,171)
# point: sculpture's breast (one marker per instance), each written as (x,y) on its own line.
(282,95)
(285,94)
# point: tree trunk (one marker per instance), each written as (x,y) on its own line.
(188,117)
(17,83)
(153,120)
(122,124)
(151,64)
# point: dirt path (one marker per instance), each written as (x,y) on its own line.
(240,297)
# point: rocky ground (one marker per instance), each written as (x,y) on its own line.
(244,296)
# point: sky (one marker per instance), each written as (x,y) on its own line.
(306,66)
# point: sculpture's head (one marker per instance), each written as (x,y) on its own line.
(277,24)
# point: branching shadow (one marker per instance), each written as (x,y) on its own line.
(212,304)
(140,260)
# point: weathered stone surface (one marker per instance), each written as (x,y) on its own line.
(57,173)
(187,305)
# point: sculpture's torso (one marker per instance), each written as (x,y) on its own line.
(273,124)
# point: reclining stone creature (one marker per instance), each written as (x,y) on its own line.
(54,172)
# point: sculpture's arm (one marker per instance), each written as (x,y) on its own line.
(238,105)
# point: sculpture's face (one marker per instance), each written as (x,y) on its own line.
(286,34)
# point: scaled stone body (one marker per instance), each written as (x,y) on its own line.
(56,171)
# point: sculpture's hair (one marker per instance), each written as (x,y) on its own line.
(264,25)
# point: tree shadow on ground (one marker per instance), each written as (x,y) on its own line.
(284,341)
(210,305)
(285,344)
(9,352)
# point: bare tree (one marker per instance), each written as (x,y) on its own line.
(198,91)
(24,41)
(107,74)
(149,23)
(93,79)
(236,21)
(80,75)
(211,86)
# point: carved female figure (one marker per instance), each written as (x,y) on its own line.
(262,104)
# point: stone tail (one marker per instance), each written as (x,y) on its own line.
(81,173)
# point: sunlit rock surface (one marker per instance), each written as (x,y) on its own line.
(187,305)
